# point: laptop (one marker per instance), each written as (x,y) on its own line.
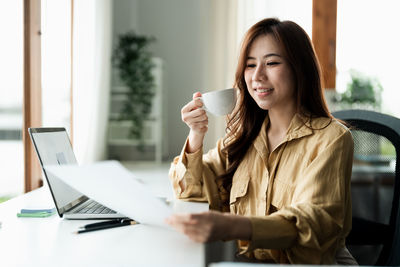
(53,147)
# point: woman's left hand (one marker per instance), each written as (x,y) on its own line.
(201,227)
(210,226)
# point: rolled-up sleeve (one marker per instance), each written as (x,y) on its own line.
(194,175)
(313,226)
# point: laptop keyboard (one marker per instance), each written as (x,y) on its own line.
(92,207)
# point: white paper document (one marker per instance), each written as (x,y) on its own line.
(113,186)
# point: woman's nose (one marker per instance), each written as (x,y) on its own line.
(259,73)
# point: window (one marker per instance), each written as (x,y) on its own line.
(56,63)
(11,96)
(20,68)
(368,43)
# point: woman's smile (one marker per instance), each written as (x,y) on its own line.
(263,91)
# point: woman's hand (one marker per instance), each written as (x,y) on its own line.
(211,226)
(196,118)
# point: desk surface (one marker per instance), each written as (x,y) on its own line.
(51,242)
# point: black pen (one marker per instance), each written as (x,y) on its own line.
(109,222)
(107,226)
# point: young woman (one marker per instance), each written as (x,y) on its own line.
(283,169)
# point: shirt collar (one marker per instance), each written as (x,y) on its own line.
(299,127)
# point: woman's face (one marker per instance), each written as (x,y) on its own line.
(268,76)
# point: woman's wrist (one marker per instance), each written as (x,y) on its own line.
(240,227)
(195,142)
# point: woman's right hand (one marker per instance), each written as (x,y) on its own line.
(196,119)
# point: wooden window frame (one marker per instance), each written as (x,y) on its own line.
(32,103)
(72,76)
(324,17)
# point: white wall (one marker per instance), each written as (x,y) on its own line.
(125,16)
(125,19)
(180,27)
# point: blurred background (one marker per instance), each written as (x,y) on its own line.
(194,48)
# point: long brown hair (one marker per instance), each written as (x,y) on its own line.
(245,123)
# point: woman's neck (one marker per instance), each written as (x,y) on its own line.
(279,121)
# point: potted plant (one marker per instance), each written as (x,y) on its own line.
(134,64)
(362,92)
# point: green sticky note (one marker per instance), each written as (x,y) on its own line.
(35,214)
(38,210)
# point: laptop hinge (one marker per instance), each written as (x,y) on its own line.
(73,204)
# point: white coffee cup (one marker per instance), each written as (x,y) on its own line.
(220,102)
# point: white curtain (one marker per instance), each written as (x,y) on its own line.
(91,77)
(222,53)
(230,20)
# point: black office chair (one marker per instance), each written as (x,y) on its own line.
(375,235)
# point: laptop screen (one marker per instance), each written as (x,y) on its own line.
(53,147)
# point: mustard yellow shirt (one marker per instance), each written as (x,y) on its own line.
(298,193)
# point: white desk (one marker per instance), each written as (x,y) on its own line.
(50,241)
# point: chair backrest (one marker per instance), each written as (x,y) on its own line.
(377,163)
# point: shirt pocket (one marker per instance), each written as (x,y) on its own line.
(282,194)
(238,193)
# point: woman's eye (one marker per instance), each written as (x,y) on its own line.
(272,63)
(250,65)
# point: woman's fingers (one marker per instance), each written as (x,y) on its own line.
(193,231)
(194,116)
(196,95)
(197,115)
(197,120)
(199,227)
(192,105)
(183,223)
